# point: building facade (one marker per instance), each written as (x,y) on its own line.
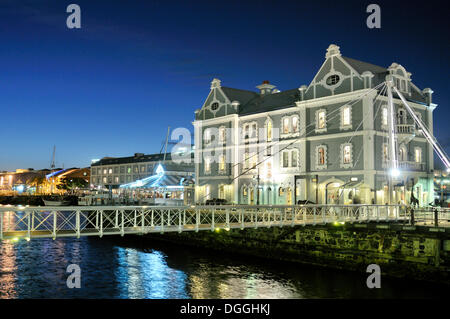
(326,142)
(116,171)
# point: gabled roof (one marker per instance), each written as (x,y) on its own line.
(361,66)
(270,102)
(243,96)
(253,102)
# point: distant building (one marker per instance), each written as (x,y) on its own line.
(149,178)
(332,142)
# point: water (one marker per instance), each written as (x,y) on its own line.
(122,268)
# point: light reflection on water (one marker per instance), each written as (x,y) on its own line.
(115,268)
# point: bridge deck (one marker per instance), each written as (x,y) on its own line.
(54,222)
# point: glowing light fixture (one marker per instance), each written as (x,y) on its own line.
(395,172)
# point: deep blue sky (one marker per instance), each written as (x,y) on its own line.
(135,67)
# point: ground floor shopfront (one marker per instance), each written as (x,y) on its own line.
(321,189)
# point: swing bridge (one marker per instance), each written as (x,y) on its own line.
(18,222)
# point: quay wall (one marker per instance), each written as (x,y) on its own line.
(420,253)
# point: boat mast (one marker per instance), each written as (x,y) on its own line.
(167,141)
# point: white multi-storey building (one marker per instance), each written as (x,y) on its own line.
(326,142)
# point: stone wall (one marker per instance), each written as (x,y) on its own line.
(400,251)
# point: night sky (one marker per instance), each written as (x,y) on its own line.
(135,67)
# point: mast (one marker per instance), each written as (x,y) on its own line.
(52,164)
(167,140)
(393,172)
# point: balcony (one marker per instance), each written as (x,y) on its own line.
(405,132)
(407,166)
(411,166)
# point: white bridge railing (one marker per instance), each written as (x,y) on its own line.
(53,222)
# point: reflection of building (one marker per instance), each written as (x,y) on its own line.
(442,187)
(331,135)
(150,179)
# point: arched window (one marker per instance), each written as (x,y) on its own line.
(295,127)
(285,124)
(281,191)
(244,191)
(402,153)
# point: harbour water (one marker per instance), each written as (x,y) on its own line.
(123,268)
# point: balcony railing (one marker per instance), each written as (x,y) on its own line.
(405,128)
(412,166)
(407,165)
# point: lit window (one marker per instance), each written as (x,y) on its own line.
(418,155)
(222,134)
(207,136)
(384,116)
(208,192)
(346,116)
(207,165)
(321,156)
(281,191)
(347,154)
(385,153)
(269,131)
(286,125)
(244,191)
(105,171)
(222,163)
(295,124)
(321,120)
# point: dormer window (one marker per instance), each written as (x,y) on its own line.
(333,79)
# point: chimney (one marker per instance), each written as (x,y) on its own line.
(428,95)
(302,90)
(265,87)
